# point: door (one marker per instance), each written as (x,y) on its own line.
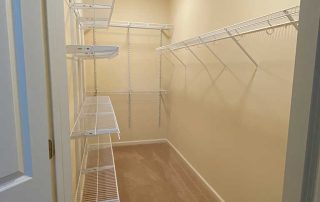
(25,123)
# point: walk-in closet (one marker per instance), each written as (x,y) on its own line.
(159,101)
(178,101)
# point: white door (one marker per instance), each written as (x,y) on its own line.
(25,173)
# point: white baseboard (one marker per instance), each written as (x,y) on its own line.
(138,142)
(197,173)
(154,141)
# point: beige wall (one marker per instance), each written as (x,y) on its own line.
(112,74)
(232,124)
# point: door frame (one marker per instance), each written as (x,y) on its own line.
(303,131)
(59,97)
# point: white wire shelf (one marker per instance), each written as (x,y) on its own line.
(142,25)
(97,179)
(89,23)
(90,6)
(96,117)
(128,92)
(97,99)
(281,18)
(93,10)
(92,52)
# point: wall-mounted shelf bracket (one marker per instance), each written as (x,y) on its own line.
(242,48)
(199,59)
(195,56)
(174,55)
(212,52)
(289,16)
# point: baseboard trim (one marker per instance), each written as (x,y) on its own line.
(138,142)
(154,141)
(197,173)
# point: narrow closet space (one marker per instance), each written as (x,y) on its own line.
(173,100)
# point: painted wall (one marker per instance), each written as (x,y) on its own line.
(112,74)
(232,123)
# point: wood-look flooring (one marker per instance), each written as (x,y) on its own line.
(156,173)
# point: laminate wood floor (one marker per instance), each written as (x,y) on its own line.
(156,173)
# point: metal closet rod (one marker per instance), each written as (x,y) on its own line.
(281,18)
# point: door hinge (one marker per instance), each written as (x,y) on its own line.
(51,149)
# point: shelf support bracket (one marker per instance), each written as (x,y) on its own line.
(212,52)
(242,48)
(195,55)
(202,63)
(171,51)
(291,19)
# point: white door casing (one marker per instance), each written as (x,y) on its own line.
(25,173)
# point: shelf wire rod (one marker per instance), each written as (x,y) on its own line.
(129,76)
(115,170)
(160,83)
(96,91)
(181,62)
(242,48)
(77,194)
(98,162)
(98,153)
(116,122)
(289,16)
(212,52)
(93,52)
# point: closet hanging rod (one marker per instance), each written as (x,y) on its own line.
(281,18)
(87,23)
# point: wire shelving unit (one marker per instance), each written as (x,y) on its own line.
(96,12)
(285,17)
(95,121)
(96,117)
(97,179)
(268,22)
